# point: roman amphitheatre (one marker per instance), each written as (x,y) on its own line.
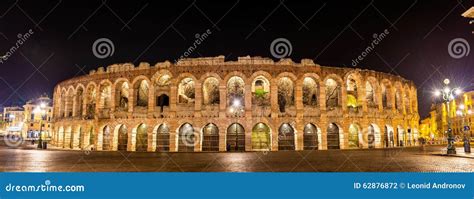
(251,104)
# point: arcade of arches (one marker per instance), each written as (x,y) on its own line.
(253,104)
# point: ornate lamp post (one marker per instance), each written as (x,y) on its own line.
(40,110)
(448,95)
(463,113)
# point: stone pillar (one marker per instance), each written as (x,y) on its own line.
(151,143)
(361,97)
(274,99)
(197,135)
(151,101)
(322,99)
(173,125)
(222,101)
(99,139)
(131,146)
(113,100)
(222,136)
(197,99)
(364,129)
(381,124)
(74,106)
(299,128)
(173,99)
(84,105)
(248,101)
(323,125)
(115,134)
(344,98)
(344,141)
(247,124)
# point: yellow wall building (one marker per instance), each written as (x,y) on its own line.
(37,114)
(461,114)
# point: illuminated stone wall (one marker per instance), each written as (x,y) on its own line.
(368,109)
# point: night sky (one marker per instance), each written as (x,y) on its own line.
(332,33)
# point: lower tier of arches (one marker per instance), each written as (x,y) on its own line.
(232,135)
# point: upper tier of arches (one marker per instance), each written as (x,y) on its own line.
(210,90)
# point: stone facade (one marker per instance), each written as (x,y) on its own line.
(277,105)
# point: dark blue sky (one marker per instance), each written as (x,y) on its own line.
(332,33)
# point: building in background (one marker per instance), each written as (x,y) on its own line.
(461,111)
(37,114)
(13,120)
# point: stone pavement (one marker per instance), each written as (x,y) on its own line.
(414,159)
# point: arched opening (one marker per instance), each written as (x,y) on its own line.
(186,91)
(105,96)
(286,137)
(122,138)
(354,136)
(385,95)
(62,104)
(90,102)
(352,93)
(310,137)
(235,140)
(235,94)
(310,92)
(141,138)
(122,92)
(333,136)
(163,138)
(79,102)
(162,101)
(210,138)
(286,93)
(162,90)
(389,139)
(261,94)
(69,102)
(333,94)
(401,136)
(398,101)
(106,139)
(187,138)
(261,137)
(370,95)
(371,137)
(141,93)
(210,91)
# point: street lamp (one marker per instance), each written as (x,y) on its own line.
(40,110)
(448,95)
(463,113)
